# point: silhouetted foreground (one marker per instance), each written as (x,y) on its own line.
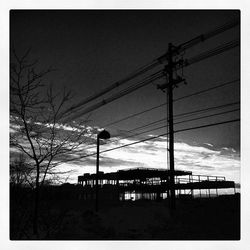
(65,217)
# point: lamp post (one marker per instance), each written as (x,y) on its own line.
(102,135)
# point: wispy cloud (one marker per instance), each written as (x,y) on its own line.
(208,144)
(200,159)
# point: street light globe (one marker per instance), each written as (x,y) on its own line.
(104,134)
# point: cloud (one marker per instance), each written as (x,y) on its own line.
(111,162)
(208,144)
(200,159)
(226,150)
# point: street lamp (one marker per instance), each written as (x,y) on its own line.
(102,135)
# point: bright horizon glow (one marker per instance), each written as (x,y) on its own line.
(198,159)
(203,159)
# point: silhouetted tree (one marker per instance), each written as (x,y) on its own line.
(35,119)
(21,172)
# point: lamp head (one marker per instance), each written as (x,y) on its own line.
(104,135)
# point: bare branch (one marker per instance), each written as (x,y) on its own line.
(37,109)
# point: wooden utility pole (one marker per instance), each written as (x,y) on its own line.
(169,85)
(169,69)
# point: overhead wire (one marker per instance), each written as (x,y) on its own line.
(165,103)
(182,47)
(206,90)
(164,126)
(143,83)
(207,116)
(193,119)
(136,73)
(155,137)
(206,109)
(186,45)
(215,51)
(134,115)
(218,50)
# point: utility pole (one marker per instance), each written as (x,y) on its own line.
(169,69)
(169,85)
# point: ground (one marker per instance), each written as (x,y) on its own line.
(194,219)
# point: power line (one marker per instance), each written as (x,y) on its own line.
(206,109)
(163,104)
(136,114)
(136,73)
(191,113)
(155,137)
(186,114)
(207,116)
(193,119)
(206,90)
(207,125)
(143,83)
(177,131)
(146,125)
(164,126)
(218,50)
(156,62)
(201,38)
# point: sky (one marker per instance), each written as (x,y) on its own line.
(93,49)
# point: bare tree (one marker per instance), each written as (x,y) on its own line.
(35,116)
(21,172)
